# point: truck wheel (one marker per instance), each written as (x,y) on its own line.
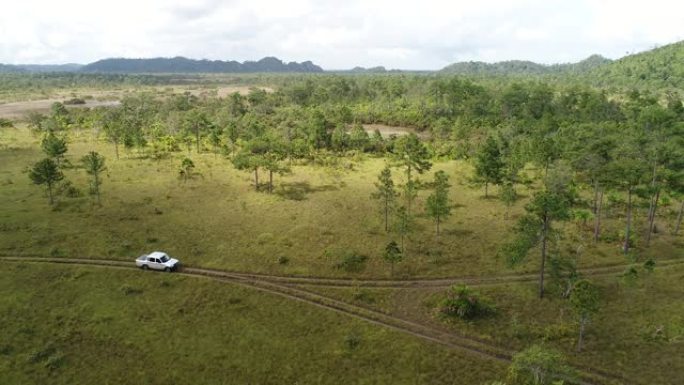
(166,269)
(144,267)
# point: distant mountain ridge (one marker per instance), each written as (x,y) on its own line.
(36,68)
(524,67)
(184,65)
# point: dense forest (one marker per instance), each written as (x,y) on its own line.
(523,68)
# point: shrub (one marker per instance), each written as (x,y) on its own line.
(74,101)
(54,362)
(283,260)
(6,123)
(353,340)
(464,303)
(352,262)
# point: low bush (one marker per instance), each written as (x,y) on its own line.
(464,303)
(74,101)
(352,262)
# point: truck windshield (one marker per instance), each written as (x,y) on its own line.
(165,259)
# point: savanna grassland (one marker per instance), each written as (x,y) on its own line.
(379,181)
(64,325)
(315,217)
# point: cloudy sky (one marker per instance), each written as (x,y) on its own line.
(418,34)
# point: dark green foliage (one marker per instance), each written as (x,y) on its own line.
(385,194)
(661,67)
(412,154)
(74,101)
(464,303)
(525,68)
(186,169)
(539,365)
(392,254)
(546,206)
(352,262)
(585,302)
(508,196)
(650,265)
(54,146)
(46,172)
(438,205)
(6,123)
(94,165)
(403,225)
(489,166)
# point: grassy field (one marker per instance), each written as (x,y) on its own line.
(316,216)
(638,333)
(62,321)
(69,325)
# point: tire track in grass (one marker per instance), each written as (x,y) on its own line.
(478,347)
(371,283)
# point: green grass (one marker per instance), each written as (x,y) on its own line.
(77,325)
(316,217)
(638,333)
(66,321)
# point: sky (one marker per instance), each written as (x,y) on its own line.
(418,34)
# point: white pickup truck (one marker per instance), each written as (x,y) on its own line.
(157,260)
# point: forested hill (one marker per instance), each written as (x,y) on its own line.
(5,68)
(185,65)
(659,68)
(520,67)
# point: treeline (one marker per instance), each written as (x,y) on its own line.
(660,68)
(525,68)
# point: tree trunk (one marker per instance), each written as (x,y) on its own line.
(197,139)
(438,226)
(486,189)
(402,244)
(625,246)
(97,189)
(256,178)
(679,218)
(653,188)
(49,186)
(270,181)
(597,225)
(596,195)
(651,219)
(583,322)
(116,149)
(409,191)
(543,257)
(386,215)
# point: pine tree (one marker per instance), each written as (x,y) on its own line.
(438,206)
(489,165)
(386,194)
(46,172)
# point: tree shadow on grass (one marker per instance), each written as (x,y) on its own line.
(298,191)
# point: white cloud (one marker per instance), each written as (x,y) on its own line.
(335,34)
